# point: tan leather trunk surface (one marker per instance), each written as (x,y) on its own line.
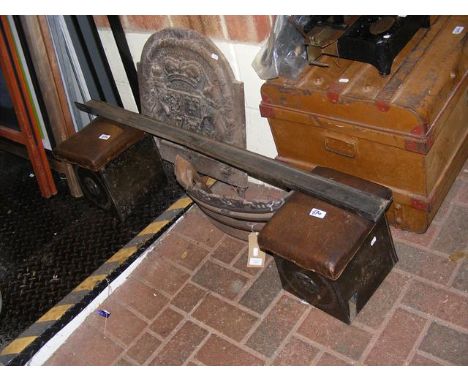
(407,130)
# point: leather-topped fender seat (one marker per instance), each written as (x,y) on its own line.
(328,256)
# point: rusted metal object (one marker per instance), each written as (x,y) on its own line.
(365,204)
(234,215)
(186,82)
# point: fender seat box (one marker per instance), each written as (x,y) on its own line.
(407,131)
(116,165)
(330,257)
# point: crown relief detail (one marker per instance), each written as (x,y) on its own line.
(174,69)
(189,72)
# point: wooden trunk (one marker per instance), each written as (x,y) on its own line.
(407,131)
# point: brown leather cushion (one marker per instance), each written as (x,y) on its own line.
(89,149)
(327,245)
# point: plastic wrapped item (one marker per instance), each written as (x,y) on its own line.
(284,54)
(103,313)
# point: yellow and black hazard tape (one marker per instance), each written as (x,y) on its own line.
(20,350)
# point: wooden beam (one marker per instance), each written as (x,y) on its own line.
(12,135)
(16,84)
(269,170)
(50,82)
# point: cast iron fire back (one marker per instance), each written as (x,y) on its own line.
(186,81)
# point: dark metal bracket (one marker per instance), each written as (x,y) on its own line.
(126,56)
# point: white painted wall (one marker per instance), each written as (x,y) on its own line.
(239,55)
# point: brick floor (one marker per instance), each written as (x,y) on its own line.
(193,301)
(296,352)
(397,340)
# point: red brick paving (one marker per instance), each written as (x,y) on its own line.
(333,334)
(181,345)
(276,325)
(397,340)
(438,302)
(161,275)
(420,262)
(188,297)
(296,352)
(263,291)
(331,360)
(166,322)
(449,201)
(446,343)
(194,226)
(460,282)
(214,311)
(228,249)
(142,298)
(219,352)
(219,279)
(124,362)
(182,251)
(193,301)
(123,325)
(415,238)
(420,360)
(94,349)
(453,234)
(143,348)
(383,300)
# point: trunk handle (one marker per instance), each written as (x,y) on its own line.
(340,145)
